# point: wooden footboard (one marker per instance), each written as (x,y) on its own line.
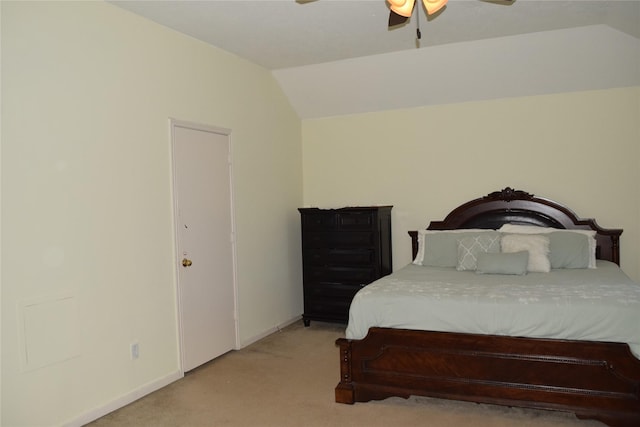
(591,379)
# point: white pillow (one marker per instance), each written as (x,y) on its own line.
(536,244)
(420,254)
(534,229)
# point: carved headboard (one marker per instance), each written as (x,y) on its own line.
(519,207)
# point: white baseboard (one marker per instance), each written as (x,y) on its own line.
(270,331)
(124,400)
(146,389)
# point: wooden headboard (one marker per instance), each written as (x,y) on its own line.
(519,207)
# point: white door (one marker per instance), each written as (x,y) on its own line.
(204,234)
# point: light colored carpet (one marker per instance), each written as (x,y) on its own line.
(287,380)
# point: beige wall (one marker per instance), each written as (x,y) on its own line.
(580,149)
(87,92)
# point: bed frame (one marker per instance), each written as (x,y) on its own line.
(595,380)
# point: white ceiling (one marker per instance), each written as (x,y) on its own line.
(287,33)
(298,40)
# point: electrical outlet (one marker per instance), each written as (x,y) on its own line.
(135,351)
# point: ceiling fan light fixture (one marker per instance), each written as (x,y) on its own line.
(433,6)
(402,7)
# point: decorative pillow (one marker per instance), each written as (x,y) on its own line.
(439,248)
(533,229)
(569,250)
(470,247)
(503,263)
(536,244)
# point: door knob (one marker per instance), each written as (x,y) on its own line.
(186,262)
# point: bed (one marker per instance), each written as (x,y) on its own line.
(594,379)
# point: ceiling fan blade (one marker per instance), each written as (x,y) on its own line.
(395,19)
(500,2)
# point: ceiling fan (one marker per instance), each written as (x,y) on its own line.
(401,10)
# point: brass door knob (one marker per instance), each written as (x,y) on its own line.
(186,262)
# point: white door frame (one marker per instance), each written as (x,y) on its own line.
(174,123)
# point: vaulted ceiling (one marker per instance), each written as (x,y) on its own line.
(339,56)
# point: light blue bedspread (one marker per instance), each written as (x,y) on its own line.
(601,304)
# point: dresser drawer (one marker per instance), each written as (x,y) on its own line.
(329,301)
(327,310)
(337,274)
(322,256)
(319,221)
(338,239)
(331,291)
(355,220)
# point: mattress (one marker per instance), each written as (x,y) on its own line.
(601,304)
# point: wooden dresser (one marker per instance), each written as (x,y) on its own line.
(342,251)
